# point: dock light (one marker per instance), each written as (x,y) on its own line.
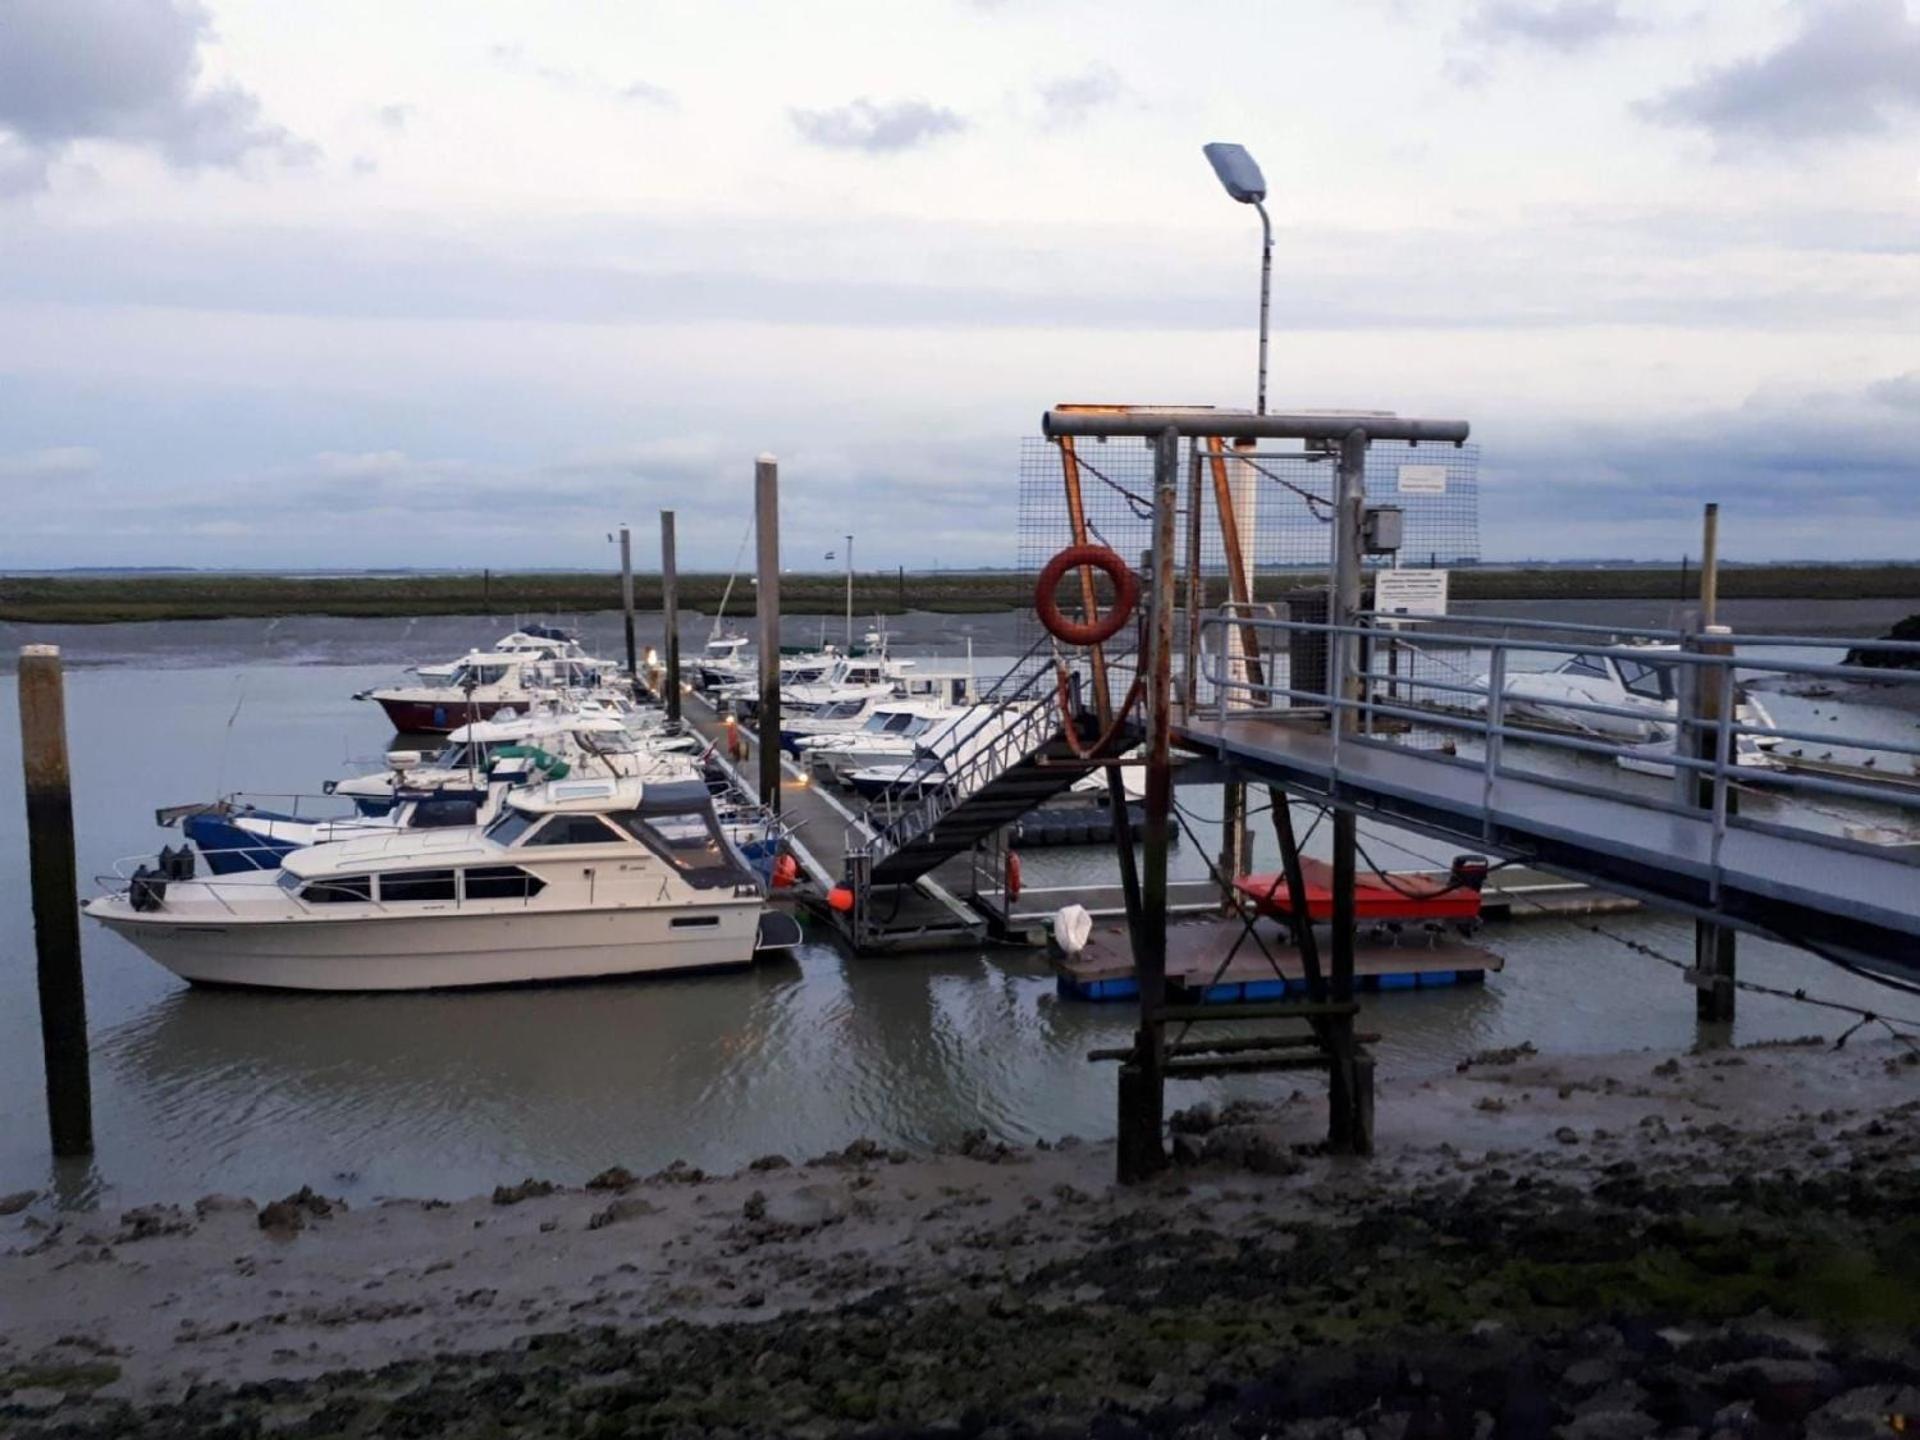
(1240,177)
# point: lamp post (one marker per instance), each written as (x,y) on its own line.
(1241,178)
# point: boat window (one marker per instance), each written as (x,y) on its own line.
(501,882)
(445,814)
(338,890)
(573,830)
(690,843)
(880,722)
(919,725)
(451,757)
(1585,665)
(417,885)
(901,724)
(1652,682)
(511,825)
(840,710)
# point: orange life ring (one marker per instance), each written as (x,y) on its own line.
(1013,877)
(1126,592)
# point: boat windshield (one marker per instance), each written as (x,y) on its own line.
(880,722)
(478,675)
(1650,682)
(510,826)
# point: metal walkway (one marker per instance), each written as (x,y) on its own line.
(1830,892)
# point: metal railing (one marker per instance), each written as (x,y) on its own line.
(904,816)
(1712,739)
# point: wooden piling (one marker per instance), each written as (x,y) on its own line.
(56,899)
(766,502)
(626,603)
(670,607)
(1143,1093)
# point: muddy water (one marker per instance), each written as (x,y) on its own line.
(447,1094)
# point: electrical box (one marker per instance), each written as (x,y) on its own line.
(1381,527)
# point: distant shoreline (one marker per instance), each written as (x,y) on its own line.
(174,595)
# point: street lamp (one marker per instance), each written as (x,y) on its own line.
(1241,178)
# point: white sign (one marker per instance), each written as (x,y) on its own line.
(1423,479)
(1410,592)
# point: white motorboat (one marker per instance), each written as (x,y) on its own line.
(887,737)
(575,879)
(480,686)
(534,642)
(938,755)
(1640,684)
(722,661)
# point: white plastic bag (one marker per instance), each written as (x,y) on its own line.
(1072,928)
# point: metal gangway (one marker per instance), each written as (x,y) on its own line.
(1728,815)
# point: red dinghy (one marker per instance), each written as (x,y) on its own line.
(1454,896)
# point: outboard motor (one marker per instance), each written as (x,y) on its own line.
(1469,872)
(147,890)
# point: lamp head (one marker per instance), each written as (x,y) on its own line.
(1239,173)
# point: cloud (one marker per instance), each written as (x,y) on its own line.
(1851,68)
(63,462)
(1902,392)
(126,71)
(515,60)
(876,128)
(395,117)
(1568,26)
(1067,100)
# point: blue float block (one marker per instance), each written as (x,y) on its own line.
(1222,994)
(1124,988)
(1438,977)
(1269,989)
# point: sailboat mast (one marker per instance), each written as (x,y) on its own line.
(849,595)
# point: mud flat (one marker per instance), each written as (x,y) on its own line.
(1717,1244)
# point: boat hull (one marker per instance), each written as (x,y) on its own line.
(440,951)
(438,717)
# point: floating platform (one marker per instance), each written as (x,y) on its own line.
(1085,823)
(1195,948)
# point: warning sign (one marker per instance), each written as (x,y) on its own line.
(1423,479)
(1410,592)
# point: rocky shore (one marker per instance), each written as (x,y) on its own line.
(1716,1245)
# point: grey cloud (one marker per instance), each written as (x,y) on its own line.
(1069,99)
(876,127)
(1902,392)
(1563,25)
(61,462)
(395,117)
(1853,66)
(516,61)
(126,71)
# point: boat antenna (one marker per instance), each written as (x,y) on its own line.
(734,574)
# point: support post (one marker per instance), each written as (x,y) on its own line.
(56,900)
(1143,1094)
(1234,840)
(766,511)
(1349,1109)
(670,608)
(626,604)
(1715,954)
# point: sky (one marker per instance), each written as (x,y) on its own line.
(383,282)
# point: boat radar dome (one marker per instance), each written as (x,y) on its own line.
(403,759)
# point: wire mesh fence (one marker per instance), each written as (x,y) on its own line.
(1282,510)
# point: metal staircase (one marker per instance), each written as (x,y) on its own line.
(1026,762)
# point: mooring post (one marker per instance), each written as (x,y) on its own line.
(56,899)
(766,522)
(1714,951)
(1143,1094)
(670,608)
(1348,1127)
(626,605)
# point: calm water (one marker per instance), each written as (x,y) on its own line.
(447,1094)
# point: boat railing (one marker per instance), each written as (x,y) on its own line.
(1709,735)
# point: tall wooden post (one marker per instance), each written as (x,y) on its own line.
(1143,1091)
(56,899)
(1347,1131)
(626,604)
(670,607)
(766,511)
